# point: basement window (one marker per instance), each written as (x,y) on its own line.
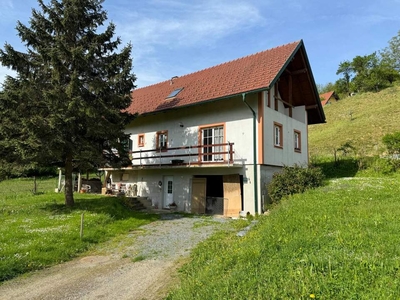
(174,93)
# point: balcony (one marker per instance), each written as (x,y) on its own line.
(185,156)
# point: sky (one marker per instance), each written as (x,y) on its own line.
(178,37)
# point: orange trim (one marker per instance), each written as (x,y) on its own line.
(199,138)
(298,150)
(141,140)
(260,120)
(158,133)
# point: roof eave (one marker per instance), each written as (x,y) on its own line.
(239,94)
(308,66)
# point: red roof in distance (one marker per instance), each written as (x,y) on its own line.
(325,97)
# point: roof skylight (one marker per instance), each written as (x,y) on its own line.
(174,93)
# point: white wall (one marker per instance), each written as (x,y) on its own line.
(238,121)
(286,155)
(233,113)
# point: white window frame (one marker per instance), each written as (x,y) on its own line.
(162,140)
(215,135)
(297,140)
(278,135)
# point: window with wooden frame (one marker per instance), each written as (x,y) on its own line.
(212,138)
(297,141)
(162,140)
(141,140)
(278,135)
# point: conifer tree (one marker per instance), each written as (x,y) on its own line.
(67,102)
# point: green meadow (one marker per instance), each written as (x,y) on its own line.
(38,231)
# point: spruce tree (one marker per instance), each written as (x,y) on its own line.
(67,103)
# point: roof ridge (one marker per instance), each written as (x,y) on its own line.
(224,63)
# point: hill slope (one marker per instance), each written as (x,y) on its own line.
(362,120)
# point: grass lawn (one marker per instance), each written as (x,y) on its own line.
(340,241)
(38,230)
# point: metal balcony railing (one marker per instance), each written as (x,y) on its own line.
(185,155)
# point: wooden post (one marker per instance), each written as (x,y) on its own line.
(59,179)
(82,218)
(34,185)
(79,182)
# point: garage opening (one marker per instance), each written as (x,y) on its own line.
(222,194)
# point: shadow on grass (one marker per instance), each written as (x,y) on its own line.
(347,167)
(113,206)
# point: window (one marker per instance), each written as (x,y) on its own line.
(212,136)
(278,135)
(130,144)
(169,187)
(297,141)
(127,144)
(162,140)
(174,93)
(141,140)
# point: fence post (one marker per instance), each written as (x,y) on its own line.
(81,232)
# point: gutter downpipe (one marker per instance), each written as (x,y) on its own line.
(254,154)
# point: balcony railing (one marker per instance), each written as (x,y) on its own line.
(185,155)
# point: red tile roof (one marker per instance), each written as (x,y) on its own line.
(325,97)
(245,74)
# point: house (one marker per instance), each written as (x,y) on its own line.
(210,141)
(328,98)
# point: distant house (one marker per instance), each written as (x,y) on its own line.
(328,98)
(210,141)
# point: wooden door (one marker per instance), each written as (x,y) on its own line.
(199,195)
(232,195)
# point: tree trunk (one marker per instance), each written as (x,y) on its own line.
(69,186)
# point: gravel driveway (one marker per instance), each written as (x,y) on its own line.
(142,265)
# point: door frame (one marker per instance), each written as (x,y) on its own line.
(166,179)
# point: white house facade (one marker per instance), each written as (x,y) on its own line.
(211,145)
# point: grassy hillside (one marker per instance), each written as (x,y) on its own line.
(363,120)
(339,241)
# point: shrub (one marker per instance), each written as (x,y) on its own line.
(392,142)
(383,166)
(292,180)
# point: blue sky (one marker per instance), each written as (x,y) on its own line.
(177,37)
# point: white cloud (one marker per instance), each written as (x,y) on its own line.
(192,25)
(177,24)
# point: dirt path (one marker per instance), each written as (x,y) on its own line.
(161,247)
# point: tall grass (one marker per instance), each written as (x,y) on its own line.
(362,120)
(340,241)
(38,230)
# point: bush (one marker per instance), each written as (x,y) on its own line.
(383,166)
(292,180)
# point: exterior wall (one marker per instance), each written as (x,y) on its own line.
(232,113)
(286,155)
(183,126)
(147,183)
